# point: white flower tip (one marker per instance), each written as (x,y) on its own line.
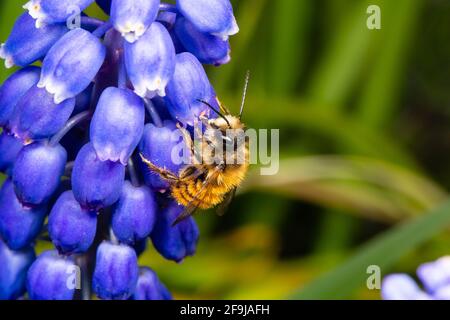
(41,84)
(231,31)
(234,28)
(141,91)
(35,11)
(9,61)
(223,61)
(57,99)
(40,23)
(132,32)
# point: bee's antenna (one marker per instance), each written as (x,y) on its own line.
(244,96)
(216,111)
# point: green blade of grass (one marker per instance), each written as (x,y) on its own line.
(341,66)
(291,25)
(9,11)
(383,251)
(382,92)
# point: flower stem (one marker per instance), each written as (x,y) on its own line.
(100,31)
(91,22)
(72,123)
(122,78)
(153,113)
(83,263)
(132,172)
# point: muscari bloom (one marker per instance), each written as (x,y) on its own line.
(71,227)
(51,277)
(150,61)
(10,147)
(134,214)
(435,278)
(157,152)
(133,18)
(188,86)
(19,225)
(149,287)
(38,164)
(13,273)
(53,11)
(175,242)
(27,44)
(36,116)
(116,272)
(74,128)
(117,125)
(14,88)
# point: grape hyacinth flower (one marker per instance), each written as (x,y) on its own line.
(435,277)
(73,130)
(13,273)
(49,277)
(149,287)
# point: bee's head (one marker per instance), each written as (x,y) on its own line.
(226,122)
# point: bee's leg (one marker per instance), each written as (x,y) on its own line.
(165,174)
(198,143)
(187,138)
(194,156)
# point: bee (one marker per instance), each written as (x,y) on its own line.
(217,170)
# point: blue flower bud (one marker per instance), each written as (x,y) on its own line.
(208,49)
(19,225)
(105,5)
(157,145)
(71,64)
(37,172)
(96,184)
(37,116)
(134,214)
(132,18)
(168,19)
(175,242)
(210,16)
(14,88)
(52,277)
(435,275)
(150,61)
(116,272)
(9,149)
(149,287)
(27,44)
(401,287)
(188,85)
(71,228)
(54,11)
(117,125)
(13,271)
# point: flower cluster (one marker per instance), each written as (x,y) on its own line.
(86,101)
(435,277)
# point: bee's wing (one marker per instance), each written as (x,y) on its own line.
(192,207)
(223,207)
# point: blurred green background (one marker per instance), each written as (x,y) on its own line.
(364,117)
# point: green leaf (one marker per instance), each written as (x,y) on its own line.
(344,60)
(383,251)
(364,186)
(381,95)
(9,11)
